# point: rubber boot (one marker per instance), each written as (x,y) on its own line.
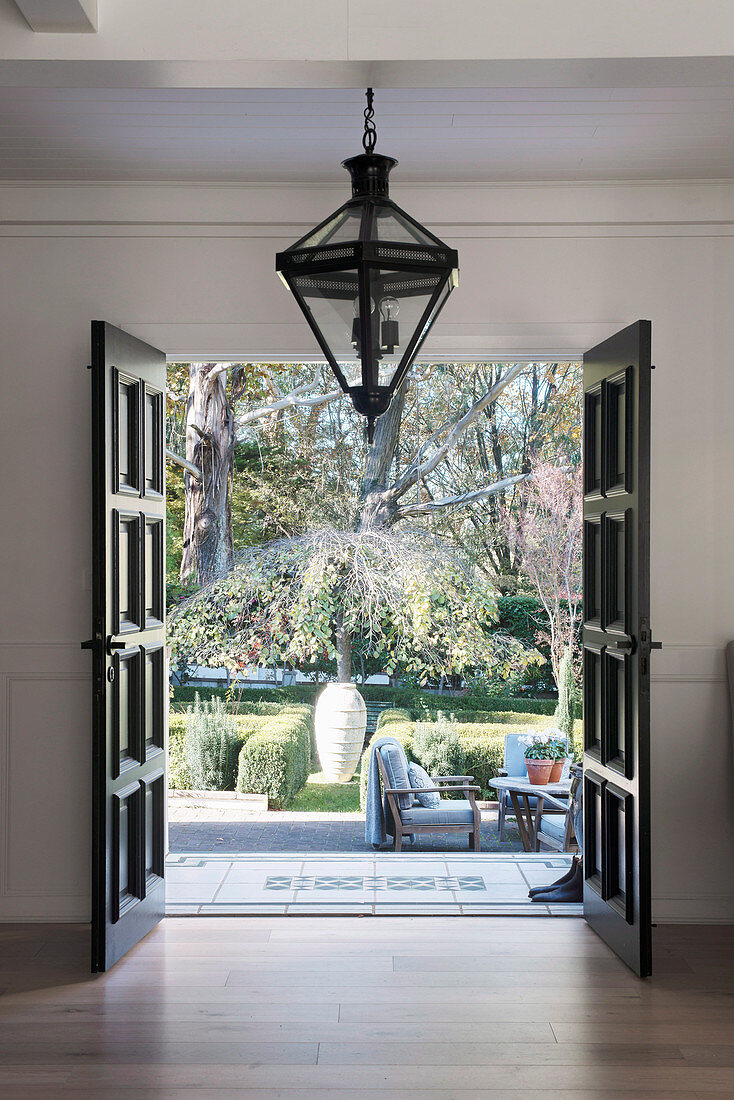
(559,881)
(570,891)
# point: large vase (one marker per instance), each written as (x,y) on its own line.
(340,721)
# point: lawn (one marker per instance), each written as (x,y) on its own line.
(320,796)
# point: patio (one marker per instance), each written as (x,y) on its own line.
(383,884)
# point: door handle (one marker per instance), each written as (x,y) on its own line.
(112,645)
(623,645)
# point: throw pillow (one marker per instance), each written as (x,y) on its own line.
(419,777)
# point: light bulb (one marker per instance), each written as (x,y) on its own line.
(355,306)
(389,338)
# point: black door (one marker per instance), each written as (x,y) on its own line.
(129,700)
(616,643)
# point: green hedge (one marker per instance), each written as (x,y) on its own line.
(262,700)
(178,776)
(276,759)
(482,741)
(247,723)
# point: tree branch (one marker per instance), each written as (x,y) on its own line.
(184,464)
(419,467)
(296,398)
(427,506)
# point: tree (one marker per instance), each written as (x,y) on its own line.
(307,598)
(383,501)
(549,531)
(207,536)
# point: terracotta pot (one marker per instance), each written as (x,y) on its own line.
(557,772)
(539,771)
(340,721)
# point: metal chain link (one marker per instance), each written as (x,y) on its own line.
(369,138)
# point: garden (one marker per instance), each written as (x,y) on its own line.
(434,571)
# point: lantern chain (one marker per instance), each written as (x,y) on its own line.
(369,138)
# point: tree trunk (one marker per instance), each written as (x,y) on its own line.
(343,652)
(377,509)
(207,538)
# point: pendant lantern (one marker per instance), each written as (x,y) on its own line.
(370,281)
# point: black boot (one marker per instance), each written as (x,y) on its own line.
(559,881)
(570,891)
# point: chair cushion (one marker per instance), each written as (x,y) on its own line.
(449,812)
(553,825)
(396,766)
(419,777)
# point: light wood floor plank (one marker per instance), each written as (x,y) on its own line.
(267,1008)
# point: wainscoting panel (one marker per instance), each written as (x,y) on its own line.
(45,782)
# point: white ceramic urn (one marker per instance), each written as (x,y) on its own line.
(340,722)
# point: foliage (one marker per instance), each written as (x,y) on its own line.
(423,705)
(483,743)
(566,708)
(543,745)
(287,601)
(211,746)
(276,759)
(437,746)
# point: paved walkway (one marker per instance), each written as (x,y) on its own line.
(272,831)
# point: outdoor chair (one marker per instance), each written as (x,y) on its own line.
(450,816)
(514,764)
(553,825)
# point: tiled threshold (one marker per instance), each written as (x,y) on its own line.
(454,884)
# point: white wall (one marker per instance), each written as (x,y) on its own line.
(546,271)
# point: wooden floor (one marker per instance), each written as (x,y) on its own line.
(320,1007)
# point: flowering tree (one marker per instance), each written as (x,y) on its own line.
(549,530)
(308,598)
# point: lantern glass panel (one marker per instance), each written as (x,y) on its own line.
(404,299)
(391,224)
(344,226)
(330,298)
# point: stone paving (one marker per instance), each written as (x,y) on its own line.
(283,832)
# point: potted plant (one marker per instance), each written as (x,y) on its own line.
(559,750)
(539,757)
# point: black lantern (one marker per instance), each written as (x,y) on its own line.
(371,281)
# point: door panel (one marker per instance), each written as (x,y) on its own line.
(129,703)
(617,641)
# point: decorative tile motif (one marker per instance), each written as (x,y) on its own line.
(375,882)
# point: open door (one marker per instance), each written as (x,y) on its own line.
(128,643)
(616,644)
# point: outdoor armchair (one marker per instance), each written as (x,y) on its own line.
(450,816)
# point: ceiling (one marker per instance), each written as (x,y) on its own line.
(438,135)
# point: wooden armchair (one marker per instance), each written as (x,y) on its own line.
(450,816)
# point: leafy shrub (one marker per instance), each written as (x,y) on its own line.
(482,742)
(276,759)
(423,704)
(438,747)
(211,746)
(566,695)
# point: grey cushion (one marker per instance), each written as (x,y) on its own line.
(419,777)
(396,766)
(553,825)
(449,812)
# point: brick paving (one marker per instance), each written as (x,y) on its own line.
(282,832)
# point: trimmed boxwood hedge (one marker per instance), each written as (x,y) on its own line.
(276,759)
(276,719)
(423,705)
(483,741)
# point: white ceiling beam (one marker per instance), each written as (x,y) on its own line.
(60,16)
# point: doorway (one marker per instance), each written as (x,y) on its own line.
(129,817)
